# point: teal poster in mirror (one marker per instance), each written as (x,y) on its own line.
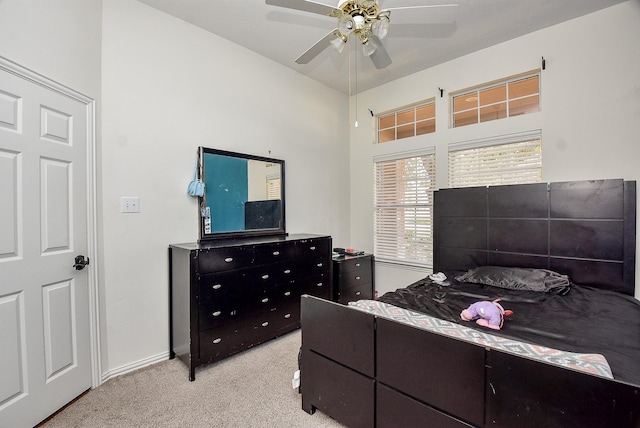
(244,195)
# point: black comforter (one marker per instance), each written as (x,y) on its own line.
(585,320)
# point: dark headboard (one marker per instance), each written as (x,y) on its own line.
(584,229)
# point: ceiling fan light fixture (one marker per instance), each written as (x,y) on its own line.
(359,22)
(380,27)
(339,43)
(369,47)
(346,25)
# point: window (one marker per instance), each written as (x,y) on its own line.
(273,187)
(511,97)
(403,209)
(407,122)
(510,160)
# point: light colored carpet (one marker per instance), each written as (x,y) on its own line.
(251,389)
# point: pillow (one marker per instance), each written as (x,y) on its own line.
(515,278)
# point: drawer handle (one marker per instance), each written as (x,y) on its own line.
(265,300)
(358,293)
(216,341)
(217,286)
(357,264)
(319,284)
(319,264)
(266,323)
(266,276)
(288,271)
(357,278)
(216,313)
(287,293)
(228,259)
(313,248)
(287,316)
(276,253)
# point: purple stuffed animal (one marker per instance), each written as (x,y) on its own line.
(487,314)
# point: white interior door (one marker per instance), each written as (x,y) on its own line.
(45,351)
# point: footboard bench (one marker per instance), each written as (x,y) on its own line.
(364,371)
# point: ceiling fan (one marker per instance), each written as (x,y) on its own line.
(367,22)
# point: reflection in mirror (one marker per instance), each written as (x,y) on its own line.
(244,195)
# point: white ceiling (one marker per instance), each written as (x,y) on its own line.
(284,34)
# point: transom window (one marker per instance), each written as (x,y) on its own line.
(508,98)
(407,122)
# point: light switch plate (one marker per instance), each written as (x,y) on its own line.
(129,204)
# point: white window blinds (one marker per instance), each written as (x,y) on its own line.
(403,209)
(273,187)
(499,163)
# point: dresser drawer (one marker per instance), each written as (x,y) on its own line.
(219,317)
(355,278)
(358,292)
(319,286)
(356,264)
(315,248)
(318,267)
(222,259)
(288,294)
(219,343)
(269,275)
(274,253)
(220,286)
(286,319)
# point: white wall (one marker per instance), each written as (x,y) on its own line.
(590,110)
(169,87)
(58,39)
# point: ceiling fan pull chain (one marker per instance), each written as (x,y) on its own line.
(349,62)
(355,59)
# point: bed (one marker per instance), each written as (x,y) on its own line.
(569,356)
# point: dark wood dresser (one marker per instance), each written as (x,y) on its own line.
(353,278)
(229,295)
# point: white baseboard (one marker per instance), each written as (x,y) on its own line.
(128,368)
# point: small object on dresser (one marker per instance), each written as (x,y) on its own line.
(352,252)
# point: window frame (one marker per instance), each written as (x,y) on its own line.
(489,146)
(413,243)
(510,102)
(429,121)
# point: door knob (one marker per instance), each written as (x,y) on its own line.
(81,262)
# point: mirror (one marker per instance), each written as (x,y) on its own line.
(243,196)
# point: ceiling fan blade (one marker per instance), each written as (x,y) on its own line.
(307,6)
(315,50)
(437,14)
(380,57)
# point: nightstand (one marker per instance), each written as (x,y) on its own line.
(353,278)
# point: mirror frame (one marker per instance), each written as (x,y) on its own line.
(241,233)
